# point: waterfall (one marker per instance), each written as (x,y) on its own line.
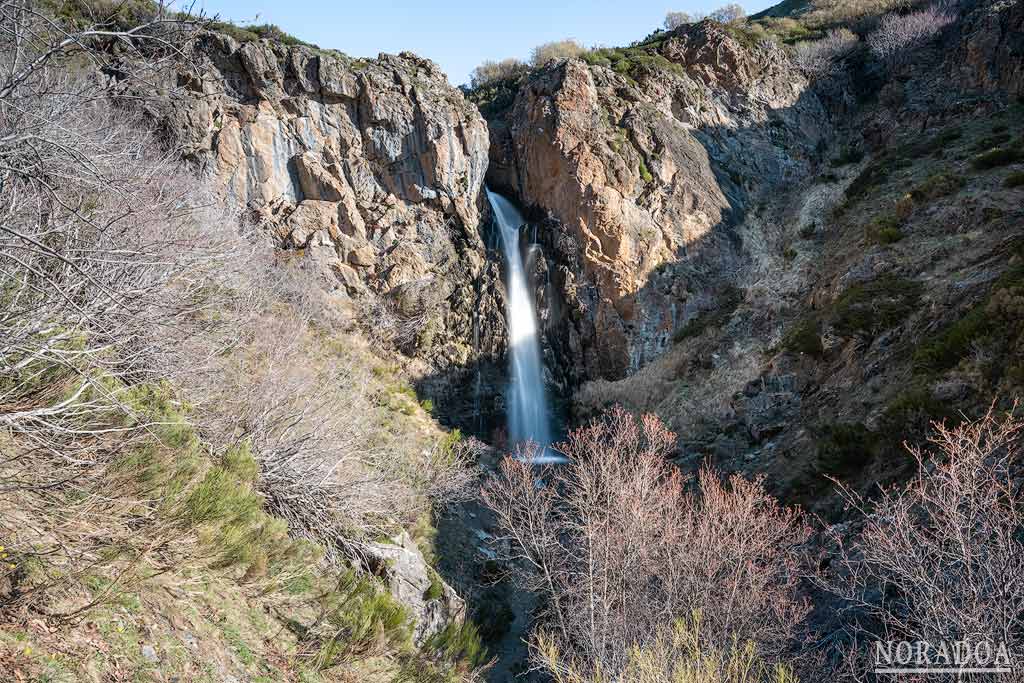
(529,418)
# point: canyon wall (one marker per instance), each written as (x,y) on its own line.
(648,167)
(369,173)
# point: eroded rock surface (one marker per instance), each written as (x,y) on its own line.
(413,583)
(370,169)
(648,173)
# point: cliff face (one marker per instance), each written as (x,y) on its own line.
(796,275)
(754,255)
(372,168)
(991,50)
(648,173)
(371,172)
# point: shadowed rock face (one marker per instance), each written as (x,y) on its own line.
(373,169)
(991,51)
(648,173)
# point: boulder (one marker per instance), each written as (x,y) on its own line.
(432,603)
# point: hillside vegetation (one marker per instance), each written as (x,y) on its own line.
(196,450)
(247,293)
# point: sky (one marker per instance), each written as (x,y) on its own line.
(458,34)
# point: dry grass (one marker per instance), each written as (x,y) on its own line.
(835,13)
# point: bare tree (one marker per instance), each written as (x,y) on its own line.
(92,213)
(942,558)
(620,548)
(728,14)
(555,51)
(493,71)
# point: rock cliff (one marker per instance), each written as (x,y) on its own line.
(369,171)
(797,271)
(716,223)
(649,164)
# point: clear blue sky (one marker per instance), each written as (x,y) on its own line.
(458,34)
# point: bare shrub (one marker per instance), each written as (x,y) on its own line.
(555,51)
(679,653)
(674,20)
(493,71)
(96,219)
(619,547)
(941,558)
(726,14)
(899,33)
(116,271)
(311,409)
(820,58)
(400,318)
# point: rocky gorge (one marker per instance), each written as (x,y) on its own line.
(685,200)
(771,251)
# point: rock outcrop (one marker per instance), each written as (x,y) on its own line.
(991,52)
(867,272)
(370,169)
(432,602)
(371,172)
(647,173)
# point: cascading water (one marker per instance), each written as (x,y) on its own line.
(529,418)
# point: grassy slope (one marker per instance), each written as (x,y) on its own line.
(162,564)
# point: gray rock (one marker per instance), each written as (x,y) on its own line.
(149,654)
(409,578)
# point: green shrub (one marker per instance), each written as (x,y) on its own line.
(436,588)
(871,307)
(934,145)
(996,320)
(1015,179)
(459,642)
(633,60)
(804,338)
(849,154)
(913,411)
(155,406)
(990,141)
(884,230)
(937,185)
(844,449)
(873,175)
(120,15)
(714,318)
(1000,156)
(360,618)
(645,173)
(946,350)
(248,34)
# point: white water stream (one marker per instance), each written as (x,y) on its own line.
(529,417)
